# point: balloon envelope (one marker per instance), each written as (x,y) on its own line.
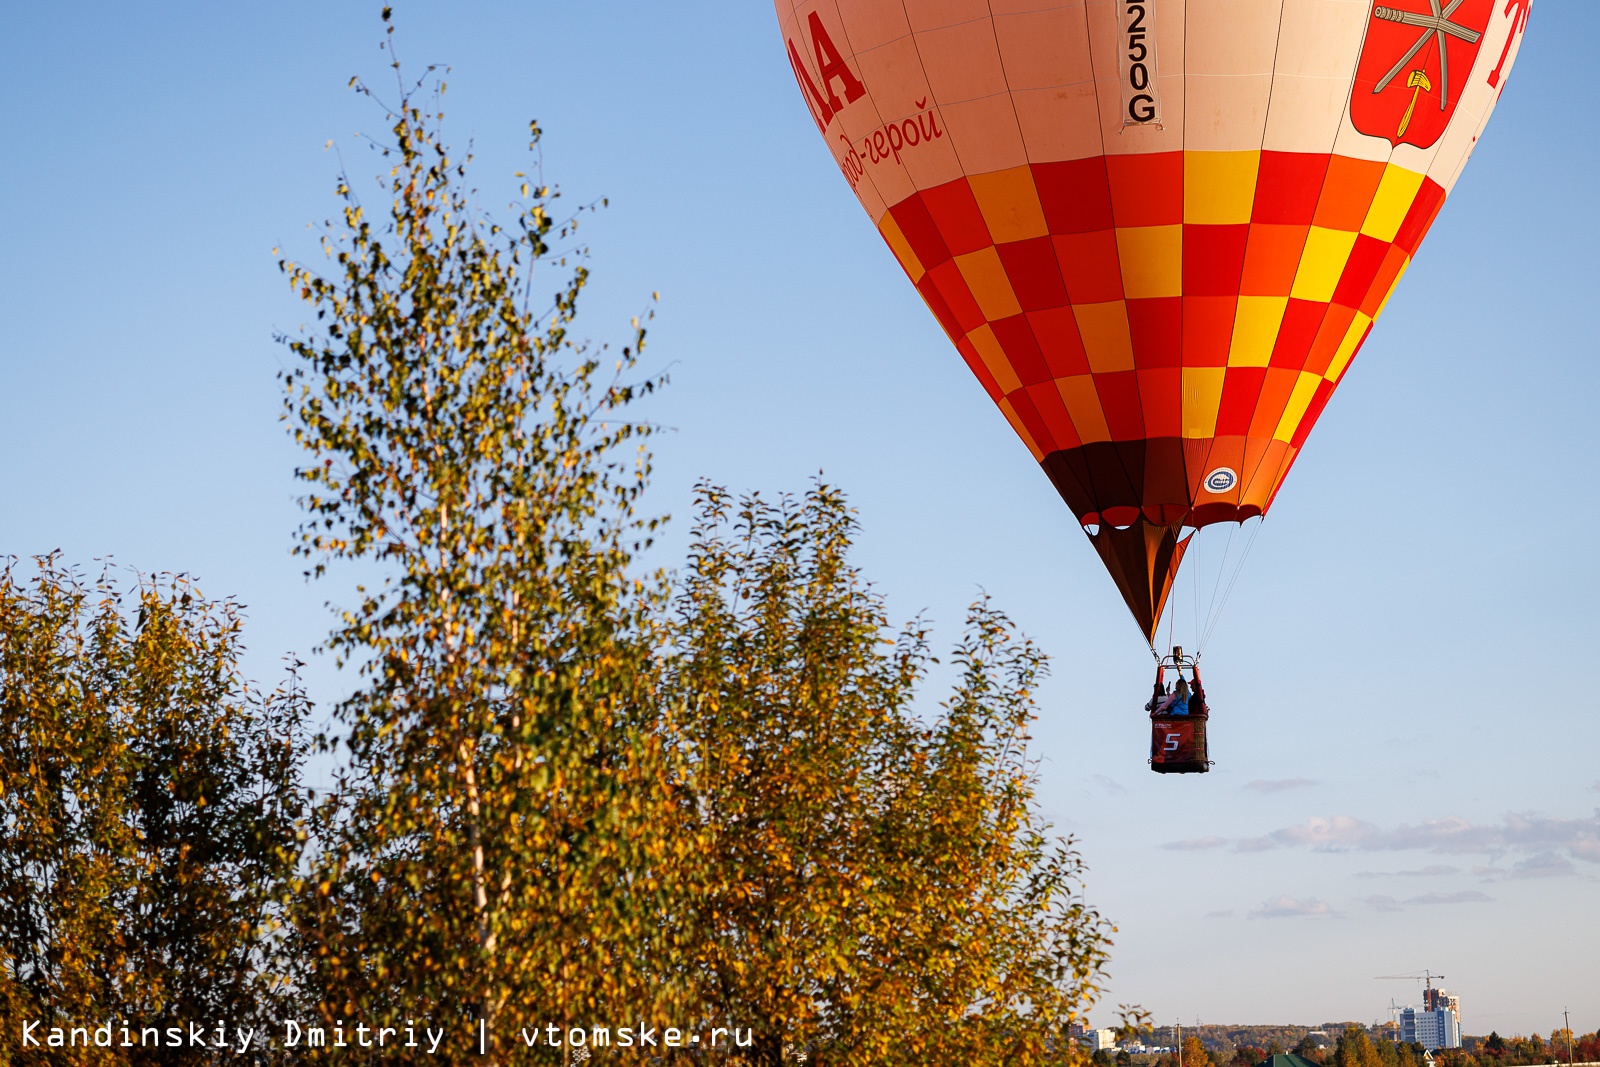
(1157,231)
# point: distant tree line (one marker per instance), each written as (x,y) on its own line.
(1357,1046)
(1497,1051)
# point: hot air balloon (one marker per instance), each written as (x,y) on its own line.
(1158,231)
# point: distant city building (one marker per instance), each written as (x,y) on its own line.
(1437,1024)
(1093,1040)
(1440,1000)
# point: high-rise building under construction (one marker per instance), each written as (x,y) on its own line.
(1437,1024)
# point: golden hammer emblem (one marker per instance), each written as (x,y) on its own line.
(1418,83)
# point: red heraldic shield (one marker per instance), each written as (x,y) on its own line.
(1415,62)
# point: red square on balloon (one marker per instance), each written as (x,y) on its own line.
(1031,420)
(1146,190)
(1022,351)
(953,287)
(1288,186)
(1119,399)
(1056,330)
(911,215)
(1359,270)
(1047,400)
(955,212)
(1213,259)
(1156,326)
(1161,402)
(1301,321)
(1075,195)
(1424,209)
(1090,266)
(1035,276)
(1208,330)
(1241,387)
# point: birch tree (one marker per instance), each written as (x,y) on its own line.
(500,848)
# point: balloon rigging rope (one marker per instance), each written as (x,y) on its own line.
(1171,618)
(1232,576)
(1211,609)
(1194,573)
(1217,615)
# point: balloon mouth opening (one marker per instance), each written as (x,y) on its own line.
(1184,530)
(1186,521)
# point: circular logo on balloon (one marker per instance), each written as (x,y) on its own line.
(1221,480)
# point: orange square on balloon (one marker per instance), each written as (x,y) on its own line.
(1276,388)
(1347,193)
(1330,335)
(1272,259)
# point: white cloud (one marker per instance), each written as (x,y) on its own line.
(1386,903)
(1220,914)
(1254,844)
(1468,896)
(1515,833)
(1109,786)
(1290,908)
(1196,844)
(1333,834)
(1544,865)
(1279,785)
(1433,870)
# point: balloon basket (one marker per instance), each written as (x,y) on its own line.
(1178,744)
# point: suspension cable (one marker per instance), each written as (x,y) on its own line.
(1211,623)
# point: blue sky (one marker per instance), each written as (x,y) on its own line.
(1403,680)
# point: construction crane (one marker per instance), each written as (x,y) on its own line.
(1433,997)
(1425,977)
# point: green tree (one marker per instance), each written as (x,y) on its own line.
(148,798)
(885,891)
(502,848)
